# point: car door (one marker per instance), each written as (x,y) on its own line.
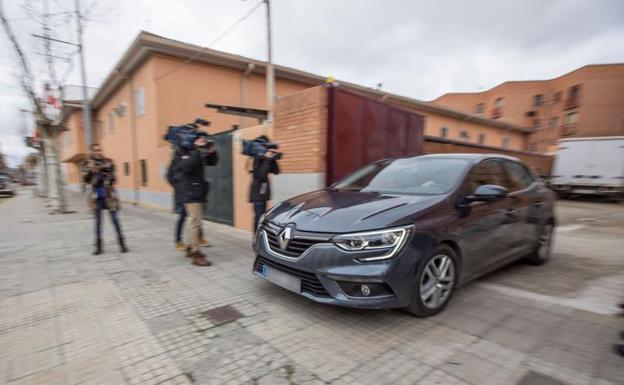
(484,228)
(526,203)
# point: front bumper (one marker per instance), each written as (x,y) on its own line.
(326,271)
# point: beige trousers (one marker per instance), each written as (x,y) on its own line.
(193,229)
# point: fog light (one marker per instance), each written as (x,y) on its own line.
(365,290)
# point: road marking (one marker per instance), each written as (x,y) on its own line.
(568,228)
(603,307)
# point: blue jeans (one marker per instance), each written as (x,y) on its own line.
(99,206)
(259,209)
(181,211)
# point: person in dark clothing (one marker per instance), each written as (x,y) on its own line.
(194,190)
(174,178)
(260,189)
(100,174)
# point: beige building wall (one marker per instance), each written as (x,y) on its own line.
(492,136)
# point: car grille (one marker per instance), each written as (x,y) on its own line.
(295,248)
(309,282)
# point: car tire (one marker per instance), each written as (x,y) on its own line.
(543,250)
(433,302)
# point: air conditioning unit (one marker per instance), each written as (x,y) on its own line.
(121,110)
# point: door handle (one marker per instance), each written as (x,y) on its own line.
(539,204)
(510,211)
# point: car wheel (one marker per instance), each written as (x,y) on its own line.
(543,250)
(435,282)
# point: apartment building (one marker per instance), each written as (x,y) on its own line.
(586,102)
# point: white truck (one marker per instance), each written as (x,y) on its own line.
(590,166)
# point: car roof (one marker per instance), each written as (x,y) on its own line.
(469,156)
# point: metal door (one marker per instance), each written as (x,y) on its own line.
(220,205)
(361,130)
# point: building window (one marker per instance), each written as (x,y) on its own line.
(553,123)
(497,112)
(571,118)
(111,122)
(480,108)
(536,124)
(481,138)
(139,98)
(574,96)
(538,100)
(464,135)
(126,169)
(444,132)
(556,97)
(506,143)
(143,172)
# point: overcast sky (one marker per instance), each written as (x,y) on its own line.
(419,49)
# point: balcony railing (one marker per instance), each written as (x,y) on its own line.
(568,129)
(572,102)
(497,112)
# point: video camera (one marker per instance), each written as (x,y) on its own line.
(184,136)
(258,147)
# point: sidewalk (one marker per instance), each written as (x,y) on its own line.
(150,317)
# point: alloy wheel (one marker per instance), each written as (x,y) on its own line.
(437,280)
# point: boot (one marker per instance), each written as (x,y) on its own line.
(180,246)
(98,247)
(204,242)
(122,245)
(199,259)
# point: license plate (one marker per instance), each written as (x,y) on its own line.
(284,280)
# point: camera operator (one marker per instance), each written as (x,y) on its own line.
(194,189)
(174,177)
(260,190)
(100,174)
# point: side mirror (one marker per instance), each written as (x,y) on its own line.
(487,193)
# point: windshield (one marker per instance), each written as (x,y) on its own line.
(429,176)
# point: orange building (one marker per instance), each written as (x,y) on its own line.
(586,102)
(154,86)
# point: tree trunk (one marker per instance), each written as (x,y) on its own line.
(55,179)
(42,164)
(59,186)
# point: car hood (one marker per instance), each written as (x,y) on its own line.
(347,211)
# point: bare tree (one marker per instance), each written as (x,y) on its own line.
(50,126)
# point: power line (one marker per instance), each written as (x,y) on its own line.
(215,41)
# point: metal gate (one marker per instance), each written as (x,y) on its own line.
(361,130)
(220,205)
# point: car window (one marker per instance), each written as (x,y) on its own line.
(418,175)
(519,177)
(488,172)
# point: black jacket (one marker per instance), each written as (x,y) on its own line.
(174,177)
(260,190)
(193,188)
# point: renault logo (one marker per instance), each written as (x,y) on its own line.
(284,237)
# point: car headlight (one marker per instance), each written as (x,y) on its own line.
(261,220)
(390,239)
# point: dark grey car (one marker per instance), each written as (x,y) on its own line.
(405,233)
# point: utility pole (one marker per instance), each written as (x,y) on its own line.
(86,107)
(270,75)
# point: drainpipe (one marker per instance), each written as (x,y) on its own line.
(133,138)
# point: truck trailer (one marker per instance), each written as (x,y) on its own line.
(590,166)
